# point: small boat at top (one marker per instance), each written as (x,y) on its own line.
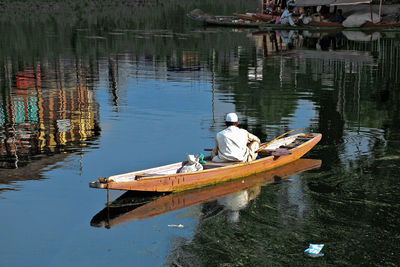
(139,206)
(229,21)
(368,25)
(169,179)
(261,17)
(356,20)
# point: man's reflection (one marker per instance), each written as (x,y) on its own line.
(235,202)
(274,40)
(287,36)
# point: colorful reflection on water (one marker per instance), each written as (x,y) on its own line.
(45,112)
(106,102)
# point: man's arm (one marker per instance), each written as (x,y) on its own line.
(215,149)
(252,137)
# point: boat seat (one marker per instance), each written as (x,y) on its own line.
(302,139)
(281,152)
(288,146)
(305,137)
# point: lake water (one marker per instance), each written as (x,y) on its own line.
(78,103)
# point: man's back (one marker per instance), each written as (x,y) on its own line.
(232,144)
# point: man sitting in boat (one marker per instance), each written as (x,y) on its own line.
(234,143)
(286,17)
(270,7)
(305,16)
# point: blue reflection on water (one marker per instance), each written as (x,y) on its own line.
(160,123)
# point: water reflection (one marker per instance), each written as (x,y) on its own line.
(44,111)
(54,81)
(49,107)
(235,202)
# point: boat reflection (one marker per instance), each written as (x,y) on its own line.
(273,43)
(233,195)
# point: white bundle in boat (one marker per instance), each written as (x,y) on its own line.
(192,165)
(358,19)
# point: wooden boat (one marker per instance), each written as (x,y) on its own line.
(333,26)
(228,21)
(168,179)
(265,17)
(231,21)
(261,16)
(248,16)
(373,24)
(125,208)
(267,21)
(366,25)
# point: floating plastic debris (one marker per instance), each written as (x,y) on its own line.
(176,225)
(314,250)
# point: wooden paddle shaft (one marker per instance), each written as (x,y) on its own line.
(264,146)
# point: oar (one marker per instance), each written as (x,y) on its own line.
(264,146)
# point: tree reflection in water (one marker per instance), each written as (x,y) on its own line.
(350,88)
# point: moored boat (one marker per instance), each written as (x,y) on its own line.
(366,26)
(333,26)
(260,17)
(230,21)
(356,19)
(248,16)
(169,179)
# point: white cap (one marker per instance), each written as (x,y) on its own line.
(231,117)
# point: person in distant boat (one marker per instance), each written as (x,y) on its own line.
(234,143)
(270,7)
(286,17)
(339,17)
(305,16)
(290,3)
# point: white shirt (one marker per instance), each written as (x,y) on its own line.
(231,144)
